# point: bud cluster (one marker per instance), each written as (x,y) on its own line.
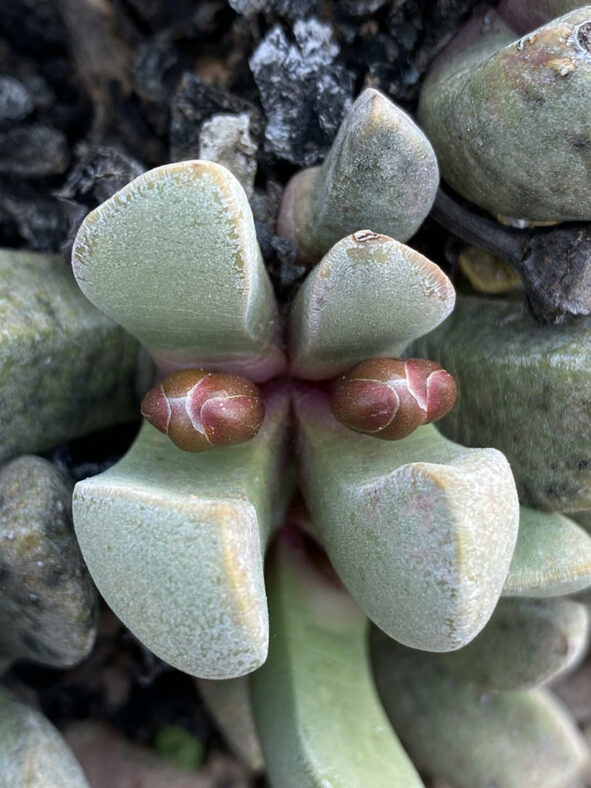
(200,410)
(389,398)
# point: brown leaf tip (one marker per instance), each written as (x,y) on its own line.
(389,398)
(199,410)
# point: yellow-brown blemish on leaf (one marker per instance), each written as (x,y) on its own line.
(563,65)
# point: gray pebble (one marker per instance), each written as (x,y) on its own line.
(47,599)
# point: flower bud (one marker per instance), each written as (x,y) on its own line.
(199,410)
(389,398)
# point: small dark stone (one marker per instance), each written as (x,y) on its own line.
(295,9)
(98,174)
(32,26)
(33,151)
(15,100)
(194,102)
(249,6)
(361,7)
(154,60)
(305,93)
(30,218)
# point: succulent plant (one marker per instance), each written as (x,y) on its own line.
(473,716)
(204,302)
(493,101)
(380,173)
(251,401)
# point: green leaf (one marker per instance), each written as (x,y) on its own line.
(552,556)
(471,739)
(175,543)
(316,709)
(174,258)
(420,530)
(370,296)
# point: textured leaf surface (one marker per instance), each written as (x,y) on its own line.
(420,530)
(526,642)
(381,174)
(175,543)
(369,296)
(174,258)
(552,556)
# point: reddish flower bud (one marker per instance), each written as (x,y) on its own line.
(199,410)
(389,398)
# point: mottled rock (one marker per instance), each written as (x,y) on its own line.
(227,140)
(508,117)
(304,92)
(98,173)
(33,151)
(15,100)
(32,752)
(524,389)
(47,600)
(65,369)
(195,102)
(249,6)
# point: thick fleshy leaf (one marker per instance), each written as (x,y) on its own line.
(509,118)
(32,752)
(454,731)
(552,556)
(370,296)
(381,173)
(65,369)
(48,603)
(420,530)
(525,15)
(315,706)
(527,642)
(228,702)
(524,389)
(175,543)
(174,258)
